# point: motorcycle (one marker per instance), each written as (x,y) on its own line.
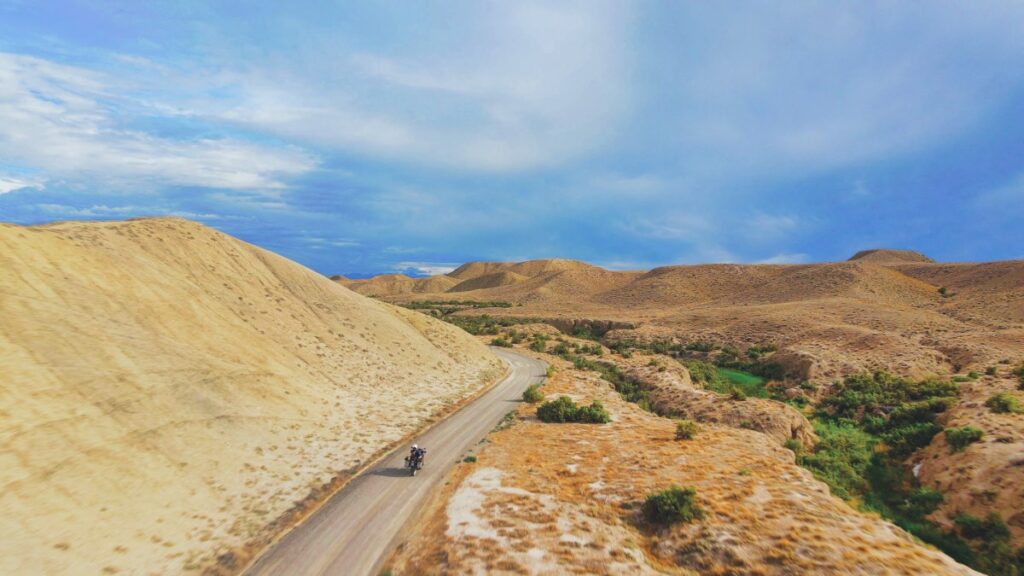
(414,462)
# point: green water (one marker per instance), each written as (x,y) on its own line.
(751,384)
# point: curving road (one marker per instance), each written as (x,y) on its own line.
(352,532)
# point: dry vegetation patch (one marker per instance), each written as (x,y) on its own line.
(568,498)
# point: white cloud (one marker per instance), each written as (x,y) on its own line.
(764,226)
(425,268)
(785,258)
(252,199)
(10,183)
(102,210)
(628,184)
(319,243)
(64,122)
(530,84)
(805,87)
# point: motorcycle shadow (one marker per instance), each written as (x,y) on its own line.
(391,472)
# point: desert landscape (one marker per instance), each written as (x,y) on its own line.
(173,396)
(811,335)
(888,309)
(180,399)
(540,287)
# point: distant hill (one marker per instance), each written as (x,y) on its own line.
(887,256)
(881,309)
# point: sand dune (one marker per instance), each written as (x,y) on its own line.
(169,391)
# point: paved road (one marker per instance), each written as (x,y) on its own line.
(354,530)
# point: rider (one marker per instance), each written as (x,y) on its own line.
(416,454)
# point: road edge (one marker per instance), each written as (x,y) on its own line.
(383,454)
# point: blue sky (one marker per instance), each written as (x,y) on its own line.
(369,137)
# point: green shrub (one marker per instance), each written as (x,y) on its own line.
(1004,403)
(841,458)
(672,505)
(737,393)
(701,371)
(990,371)
(533,394)
(990,529)
(501,342)
(593,414)
(700,346)
(871,393)
(561,410)
(686,429)
(565,410)
(795,445)
(921,502)
(904,440)
(959,438)
(538,345)
(471,459)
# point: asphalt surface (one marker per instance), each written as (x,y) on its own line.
(354,531)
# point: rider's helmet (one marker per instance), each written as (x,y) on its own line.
(415,447)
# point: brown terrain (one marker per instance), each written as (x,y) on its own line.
(987,476)
(894,310)
(171,394)
(564,499)
(881,309)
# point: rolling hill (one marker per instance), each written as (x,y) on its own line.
(171,394)
(890,309)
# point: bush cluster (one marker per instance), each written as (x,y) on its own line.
(533,394)
(1004,403)
(539,343)
(991,536)
(959,438)
(565,410)
(672,505)
(686,429)
(703,372)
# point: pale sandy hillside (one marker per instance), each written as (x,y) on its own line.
(169,392)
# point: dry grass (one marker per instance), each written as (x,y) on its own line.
(565,499)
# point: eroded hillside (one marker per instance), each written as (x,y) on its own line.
(170,393)
(549,498)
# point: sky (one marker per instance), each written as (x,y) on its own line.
(377,137)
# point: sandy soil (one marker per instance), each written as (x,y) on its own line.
(565,499)
(169,391)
